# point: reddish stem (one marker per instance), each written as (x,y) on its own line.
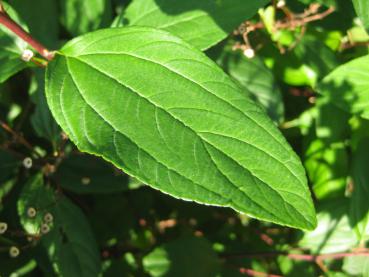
(10,24)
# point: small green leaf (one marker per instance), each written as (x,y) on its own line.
(362,9)
(201,23)
(70,243)
(165,113)
(80,17)
(189,256)
(348,87)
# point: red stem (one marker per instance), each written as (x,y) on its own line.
(10,24)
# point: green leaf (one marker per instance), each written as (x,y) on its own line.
(333,233)
(362,9)
(189,256)
(327,168)
(359,212)
(11,48)
(42,120)
(165,113)
(80,17)
(87,174)
(256,80)
(201,23)
(348,87)
(70,244)
(356,265)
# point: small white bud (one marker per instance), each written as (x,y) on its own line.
(27,163)
(85,181)
(3,227)
(14,252)
(45,229)
(249,53)
(31,212)
(48,218)
(281,4)
(27,55)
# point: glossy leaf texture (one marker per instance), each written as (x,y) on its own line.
(11,48)
(348,87)
(362,9)
(166,114)
(201,23)
(69,243)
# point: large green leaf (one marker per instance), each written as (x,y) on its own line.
(70,244)
(202,23)
(359,213)
(348,86)
(165,113)
(188,256)
(362,9)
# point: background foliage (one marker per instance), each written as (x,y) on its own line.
(73,214)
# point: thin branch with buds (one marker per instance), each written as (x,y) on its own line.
(14,27)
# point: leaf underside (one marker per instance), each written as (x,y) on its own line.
(166,114)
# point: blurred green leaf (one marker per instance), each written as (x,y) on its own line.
(356,265)
(256,80)
(333,233)
(201,23)
(68,239)
(88,174)
(11,48)
(185,257)
(327,168)
(348,87)
(41,16)
(42,120)
(359,209)
(362,9)
(80,17)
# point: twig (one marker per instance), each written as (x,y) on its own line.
(251,272)
(14,27)
(18,137)
(301,257)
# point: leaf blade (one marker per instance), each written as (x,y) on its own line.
(206,161)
